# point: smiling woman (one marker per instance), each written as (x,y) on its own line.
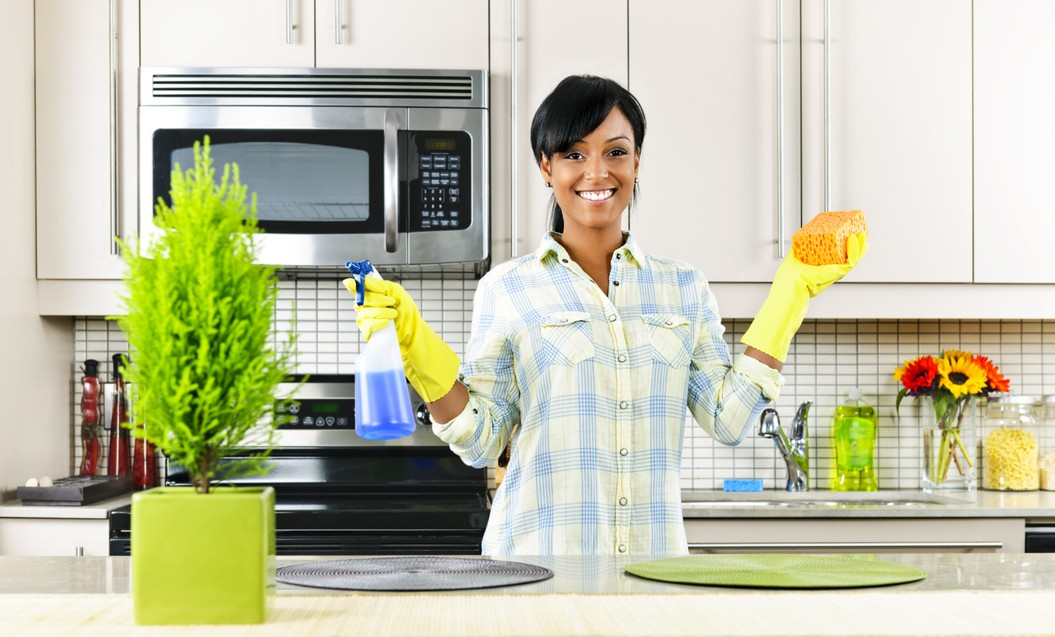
(585,354)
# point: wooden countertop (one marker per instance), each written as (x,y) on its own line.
(965,594)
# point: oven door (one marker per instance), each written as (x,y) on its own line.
(330,181)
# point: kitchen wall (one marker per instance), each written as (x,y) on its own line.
(827,359)
(35,350)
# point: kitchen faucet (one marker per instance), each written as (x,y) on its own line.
(796,451)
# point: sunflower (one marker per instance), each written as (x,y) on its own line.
(918,375)
(960,374)
(995,381)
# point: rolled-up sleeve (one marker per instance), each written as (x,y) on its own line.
(480,432)
(726,396)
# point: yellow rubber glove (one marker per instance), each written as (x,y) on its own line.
(794,284)
(430,364)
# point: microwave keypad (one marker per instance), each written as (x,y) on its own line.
(441,191)
(442,183)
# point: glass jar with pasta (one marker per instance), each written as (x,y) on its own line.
(1010,444)
(1047,443)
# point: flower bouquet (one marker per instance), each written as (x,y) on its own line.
(951,381)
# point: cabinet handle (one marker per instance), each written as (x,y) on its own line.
(391,163)
(115,185)
(514,95)
(338,18)
(827,107)
(996,545)
(780,129)
(290,26)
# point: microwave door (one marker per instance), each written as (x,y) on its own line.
(329,180)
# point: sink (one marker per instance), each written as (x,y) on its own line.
(830,499)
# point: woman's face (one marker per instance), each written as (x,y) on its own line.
(594,179)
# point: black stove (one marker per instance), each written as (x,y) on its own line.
(337,494)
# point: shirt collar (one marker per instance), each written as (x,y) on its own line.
(630,250)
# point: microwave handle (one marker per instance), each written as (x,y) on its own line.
(391,162)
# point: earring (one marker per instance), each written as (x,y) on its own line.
(548,185)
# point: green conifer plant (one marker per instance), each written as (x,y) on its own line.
(205,363)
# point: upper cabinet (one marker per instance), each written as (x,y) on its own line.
(546,51)
(762,114)
(1014,101)
(85,107)
(451,34)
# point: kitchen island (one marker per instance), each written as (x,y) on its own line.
(970,594)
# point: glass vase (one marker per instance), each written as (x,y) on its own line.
(949,447)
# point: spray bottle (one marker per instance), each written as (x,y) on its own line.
(382,400)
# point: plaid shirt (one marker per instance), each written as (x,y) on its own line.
(599,386)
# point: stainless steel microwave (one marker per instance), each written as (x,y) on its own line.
(386,165)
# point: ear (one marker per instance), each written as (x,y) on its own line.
(545,167)
(637,162)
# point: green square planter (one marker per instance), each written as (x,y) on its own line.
(203,559)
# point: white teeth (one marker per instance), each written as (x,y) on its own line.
(596,195)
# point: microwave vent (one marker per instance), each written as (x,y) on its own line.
(285,86)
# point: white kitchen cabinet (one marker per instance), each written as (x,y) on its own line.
(323,33)
(57,536)
(856,535)
(722,182)
(547,50)
(86,59)
(1014,211)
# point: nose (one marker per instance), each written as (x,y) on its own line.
(596,168)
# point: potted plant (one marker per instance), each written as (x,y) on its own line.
(199,324)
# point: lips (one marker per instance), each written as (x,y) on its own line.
(596,195)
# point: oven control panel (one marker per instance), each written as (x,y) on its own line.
(319,413)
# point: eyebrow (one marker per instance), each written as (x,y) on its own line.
(607,141)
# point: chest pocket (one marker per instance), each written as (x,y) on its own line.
(566,338)
(671,338)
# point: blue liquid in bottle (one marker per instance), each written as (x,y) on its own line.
(385,413)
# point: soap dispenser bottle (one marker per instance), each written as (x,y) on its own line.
(854,431)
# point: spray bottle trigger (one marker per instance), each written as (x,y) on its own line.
(359,270)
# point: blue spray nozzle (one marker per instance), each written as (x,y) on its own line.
(359,269)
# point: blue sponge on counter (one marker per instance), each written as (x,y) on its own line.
(742,486)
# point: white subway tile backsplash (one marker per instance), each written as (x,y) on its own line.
(827,358)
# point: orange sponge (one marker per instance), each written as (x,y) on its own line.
(822,241)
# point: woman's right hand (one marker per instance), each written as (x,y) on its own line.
(431,366)
(382,302)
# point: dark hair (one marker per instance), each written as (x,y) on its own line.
(578,105)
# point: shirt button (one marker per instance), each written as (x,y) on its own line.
(622,358)
(612,318)
(615,282)
(624,451)
(624,405)
(622,548)
(622,502)
(670,322)
(618,256)
(563,260)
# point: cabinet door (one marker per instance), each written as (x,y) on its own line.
(1014,213)
(260,33)
(402,34)
(547,51)
(898,129)
(75,158)
(719,178)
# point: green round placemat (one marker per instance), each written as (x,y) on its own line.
(776,570)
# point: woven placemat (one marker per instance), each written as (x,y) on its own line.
(412,573)
(776,570)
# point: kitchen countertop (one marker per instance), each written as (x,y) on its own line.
(96,511)
(1032,505)
(963,594)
